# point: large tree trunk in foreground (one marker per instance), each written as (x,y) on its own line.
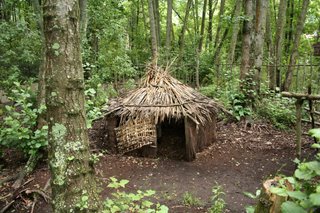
(294,51)
(73,182)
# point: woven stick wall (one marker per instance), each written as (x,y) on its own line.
(135,134)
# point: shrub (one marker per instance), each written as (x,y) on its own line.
(17,128)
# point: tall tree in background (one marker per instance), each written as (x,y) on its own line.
(211,12)
(221,13)
(154,45)
(235,31)
(296,42)
(184,28)
(260,28)
(246,40)
(73,182)
(169,27)
(280,27)
(200,44)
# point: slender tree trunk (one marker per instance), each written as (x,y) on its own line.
(260,28)
(235,31)
(184,28)
(221,13)
(154,45)
(246,40)
(294,51)
(73,182)
(203,21)
(271,70)
(156,13)
(169,27)
(209,39)
(281,21)
(83,17)
(289,33)
(199,50)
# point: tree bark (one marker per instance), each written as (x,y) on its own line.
(235,31)
(199,50)
(169,27)
(281,21)
(221,13)
(184,28)
(211,12)
(73,182)
(294,51)
(156,13)
(270,47)
(260,28)
(83,17)
(246,40)
(154,45)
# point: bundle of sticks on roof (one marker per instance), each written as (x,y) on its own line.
(160,97)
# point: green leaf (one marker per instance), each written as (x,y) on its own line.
(279,191)
(55,46)
(315,146)
(147,203)
(250,209)
(315,199)
(303,174)
(250,195)
(291,207)
(122,183)
(297,195)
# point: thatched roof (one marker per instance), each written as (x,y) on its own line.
(160,97)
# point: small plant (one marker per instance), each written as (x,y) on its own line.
(131,202)
(239,105)
(217,202)
(190,200)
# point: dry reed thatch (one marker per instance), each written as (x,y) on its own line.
(160,97)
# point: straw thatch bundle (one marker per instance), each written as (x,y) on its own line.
(160,97)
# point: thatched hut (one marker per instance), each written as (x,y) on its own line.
(161,111)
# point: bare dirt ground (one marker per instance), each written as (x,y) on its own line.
(239,161)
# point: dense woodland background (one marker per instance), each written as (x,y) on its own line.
(239,52)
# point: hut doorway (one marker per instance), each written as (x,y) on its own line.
(171,139)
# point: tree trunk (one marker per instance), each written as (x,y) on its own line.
(271,70)
(199,50)
(211,11)
(83,17)
(246,40)
(281,21)
(156,13)
(169,27)
(154,45)
(268,202)
(235,31)
(221,13)
(260,28)
(184,28)
(294,51)
(73,181)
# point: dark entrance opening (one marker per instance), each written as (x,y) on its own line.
(171,139)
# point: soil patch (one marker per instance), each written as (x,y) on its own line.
(238,161)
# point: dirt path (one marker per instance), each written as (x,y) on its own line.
(239,161)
